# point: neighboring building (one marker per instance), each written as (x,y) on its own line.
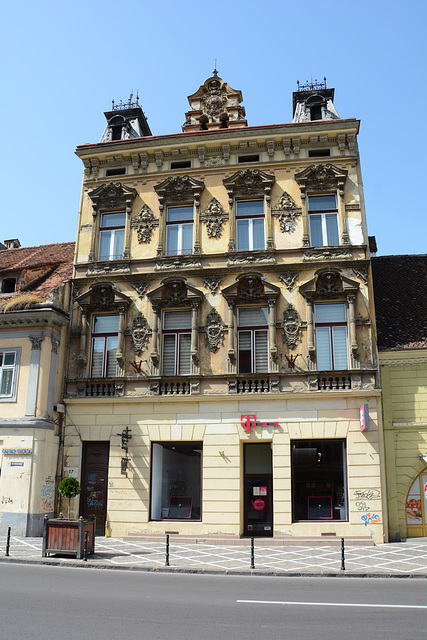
(35,285)
(400,284)
(224,315)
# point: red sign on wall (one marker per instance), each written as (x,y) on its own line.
(364,417)
(248,421)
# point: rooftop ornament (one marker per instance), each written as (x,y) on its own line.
(118,106)
(312,86)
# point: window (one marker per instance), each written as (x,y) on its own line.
(179,230)
(104,346)
(331,337)
(8,363)
(252,337)
(176,480)
(176,343)
(323,219)
(319,487)
(318,153)
(8,285)
(248,158)
(120,171)
(112,236)
(250,225)
(181,164)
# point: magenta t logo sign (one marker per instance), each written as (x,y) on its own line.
(247,422)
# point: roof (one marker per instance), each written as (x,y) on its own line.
(400,290)
(52,265)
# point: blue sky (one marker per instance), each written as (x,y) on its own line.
(63,63)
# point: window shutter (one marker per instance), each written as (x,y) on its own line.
(316,237)
(243,235)
(332,229)
(253,316)
(97,357)
(258,234)
(169,348)
(184,354)
(111,357)
(177,319)
(330,312)
(261,352)
(172,239)
(339,340)
(106,324)
(323,349)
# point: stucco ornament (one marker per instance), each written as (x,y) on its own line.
(214,331)
(289,279)
(286,211)
(213,283)
(291,327)
(213,103)
(140,333)
(144,223)
(214,217)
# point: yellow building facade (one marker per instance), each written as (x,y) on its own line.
(400,294)
(222,374)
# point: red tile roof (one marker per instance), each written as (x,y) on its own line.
(400,288)
(44,268)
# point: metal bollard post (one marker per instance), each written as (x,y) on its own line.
(342,555)
(85,547)
(167,551)
(8,541)
(252,553)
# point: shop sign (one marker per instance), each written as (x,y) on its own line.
(364,417)
(249,421)
(18,452)
(14,463)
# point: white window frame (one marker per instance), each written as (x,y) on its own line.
(177,333)
(333,337)
(179,251)
(15,373)
(250,220)
(102,335)
(253,330)
(323,214)
(112,231)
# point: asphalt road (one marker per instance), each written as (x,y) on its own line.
(52,603)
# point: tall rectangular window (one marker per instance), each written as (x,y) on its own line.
(176,359)
(331,337)
(323,221)
(104,346)
(7,373)
(176,480)
(319,480)
(179,230)
(252,337)
(112,236)
(250,225)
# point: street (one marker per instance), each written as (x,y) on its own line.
(50,602)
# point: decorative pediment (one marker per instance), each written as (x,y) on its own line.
(175,292)
(321,177)
(251,287)
(329,283)
(179,189)
(144,223)
(249,182)
(114,195)
(102,296)
(286,210)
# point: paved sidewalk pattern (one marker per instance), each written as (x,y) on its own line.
(405,559)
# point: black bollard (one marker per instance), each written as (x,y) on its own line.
(167,551)
(8,541)
(342,555)
(252,553)
(85,546)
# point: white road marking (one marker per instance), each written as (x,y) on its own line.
(335,604)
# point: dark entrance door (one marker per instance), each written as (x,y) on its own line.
(95,483)
(258,490)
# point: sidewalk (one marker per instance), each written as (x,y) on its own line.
(403,559)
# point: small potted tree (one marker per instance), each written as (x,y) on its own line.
(68,536)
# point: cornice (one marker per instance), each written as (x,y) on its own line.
(47,317)
(402,357)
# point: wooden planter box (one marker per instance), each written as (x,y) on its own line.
(68,537)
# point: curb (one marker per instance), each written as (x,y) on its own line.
(223,572)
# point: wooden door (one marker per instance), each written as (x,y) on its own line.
(95,483)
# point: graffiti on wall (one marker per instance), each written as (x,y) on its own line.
(367,494)
(48,494)
(371,519)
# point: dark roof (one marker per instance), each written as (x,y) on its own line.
(400,288)
(52,265)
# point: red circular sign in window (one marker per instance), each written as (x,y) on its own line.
(259,504)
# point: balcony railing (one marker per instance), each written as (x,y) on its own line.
(333,382)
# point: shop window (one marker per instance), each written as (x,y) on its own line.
(323,220)
(8,364)
(179,230)
(104,346)
(176,480)
(252,337)
(331,337)
(112,236)
(250,225)
(319,487)
(176,360)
